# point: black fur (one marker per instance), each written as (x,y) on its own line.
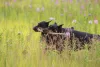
(58,40)
(76,41)
(42,25)
(51,40)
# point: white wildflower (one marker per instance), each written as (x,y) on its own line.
(74,21)
(90,22)
(38,9)
(51,18)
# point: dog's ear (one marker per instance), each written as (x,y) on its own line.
(72,28)
(60,26)
(55,23)
(49,21)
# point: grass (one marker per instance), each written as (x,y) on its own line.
(20,46)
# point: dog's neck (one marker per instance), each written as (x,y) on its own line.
(64,30)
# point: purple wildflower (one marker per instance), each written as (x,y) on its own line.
(96,21)
(71,1)
(14,0)
(96,1)
(82,6)
(84,14)
(67,35)
(57,2)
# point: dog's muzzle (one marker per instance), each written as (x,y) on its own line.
(40,29)
(35,29)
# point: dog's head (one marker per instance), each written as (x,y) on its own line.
(55,28)
(41,25)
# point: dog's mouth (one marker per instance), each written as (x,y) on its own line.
(38,29)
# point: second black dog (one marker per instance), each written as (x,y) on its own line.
(77,39)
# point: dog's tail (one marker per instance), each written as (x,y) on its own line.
(97,37)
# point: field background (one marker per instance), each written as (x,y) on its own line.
(20,46)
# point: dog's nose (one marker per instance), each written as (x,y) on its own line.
(35,29)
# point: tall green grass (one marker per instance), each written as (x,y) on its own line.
(20,46)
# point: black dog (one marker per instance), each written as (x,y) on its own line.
(58,40)
(43,27)
(39,28)
(84,38)
(55,39)
(77,39)
(54,42)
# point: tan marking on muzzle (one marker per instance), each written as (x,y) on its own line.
(40,29)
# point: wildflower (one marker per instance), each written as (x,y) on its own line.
(90,22)
(30,6)
(85,15)
(74,21)
(14,0)
(89,14)
(38,9)
(67,35)
(61,14)
(52,0)
(42,8)
(82,6)
(51,18)
(96,1)
(57,2)
(96,21)
(7,3)
(70,1)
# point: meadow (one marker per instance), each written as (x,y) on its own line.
(20,46)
